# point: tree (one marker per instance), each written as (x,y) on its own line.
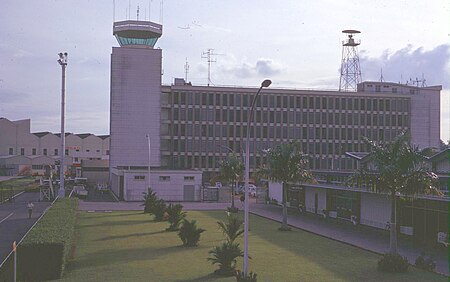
(286,164)
(175,216)
(398,169)
(231,170)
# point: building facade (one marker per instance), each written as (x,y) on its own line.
(16,139)
(200,124)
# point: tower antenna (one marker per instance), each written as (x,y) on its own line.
(137,13)
(129,9)
(208,56)
(350,68)
(381,76)
(186,70)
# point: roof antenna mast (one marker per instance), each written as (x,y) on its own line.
(208,56)
(186,70)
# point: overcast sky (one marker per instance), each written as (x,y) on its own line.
(297,44)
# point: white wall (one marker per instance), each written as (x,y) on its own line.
(171,190)
(375,210)
(276,191)
(310,199)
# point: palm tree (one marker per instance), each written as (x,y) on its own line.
(398,169)
(286,164)
(231,170)
(232,228)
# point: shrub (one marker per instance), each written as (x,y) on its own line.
(159,209)
(241,277)
(425,263)
(393,263)
(189,233)
(149,200)
(45,250)
(226,256)
(175,215)
(232,228)
(232,209)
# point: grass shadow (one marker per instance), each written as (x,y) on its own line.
(208,277)
(130,235)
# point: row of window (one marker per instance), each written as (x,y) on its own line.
(213,162)
(291,117)
(289,101)
(45,151)
(220,147)
(281,132)
(164,178)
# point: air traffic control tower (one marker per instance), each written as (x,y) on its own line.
(135,97)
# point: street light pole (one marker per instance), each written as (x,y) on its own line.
(265,83)
(149,155)
(63,62)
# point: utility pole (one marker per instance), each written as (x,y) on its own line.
(63,62)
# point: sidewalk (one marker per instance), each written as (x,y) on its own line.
(360,236)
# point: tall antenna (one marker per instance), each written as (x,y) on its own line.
(381,76)
(208,56)
(350,68)
(114,11)
(137,13)
(186,70)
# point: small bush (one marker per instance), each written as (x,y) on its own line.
(189,233)
(226,256)
(175,215)
(149,200)
(241,277)
(393,263)
(232,228)
(425,263)
(159,209)
(232,209)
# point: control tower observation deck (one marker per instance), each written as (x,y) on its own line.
(138,34)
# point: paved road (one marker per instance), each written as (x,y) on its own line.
(14,221)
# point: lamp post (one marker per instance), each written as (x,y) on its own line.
(149,155)
(63,62)
(265,83)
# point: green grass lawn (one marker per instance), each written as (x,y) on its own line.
(18,184)
(128,246)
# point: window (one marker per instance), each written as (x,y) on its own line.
(33,151)
(22,151)
(164,178)
(66,152)
(56,152)
(11,151)
(87,150)
(189,178)
(377,88)
(37,167)
(107,152)
(44,152)
(139,177)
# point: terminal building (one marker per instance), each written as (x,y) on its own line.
(173,137)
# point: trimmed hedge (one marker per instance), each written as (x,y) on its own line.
(44,252)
